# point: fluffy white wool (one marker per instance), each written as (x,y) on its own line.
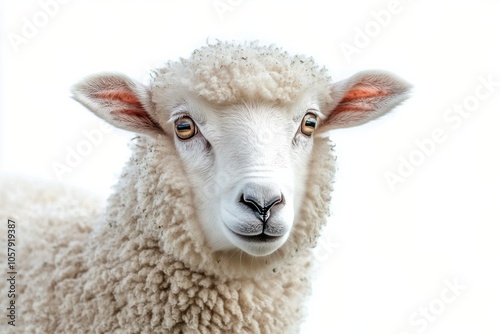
(146,269)
(227,73)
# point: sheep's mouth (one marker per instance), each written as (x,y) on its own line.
(263,237)
(259,244)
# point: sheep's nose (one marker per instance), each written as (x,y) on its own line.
(261,199)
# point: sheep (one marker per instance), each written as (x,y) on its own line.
(212,222)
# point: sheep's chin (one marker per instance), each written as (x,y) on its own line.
(253,246)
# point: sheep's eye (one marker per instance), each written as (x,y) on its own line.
(185,128)
(309,123)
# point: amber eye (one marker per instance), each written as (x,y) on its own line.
(185,128)
(309,123)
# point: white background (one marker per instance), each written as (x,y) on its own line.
(386,253)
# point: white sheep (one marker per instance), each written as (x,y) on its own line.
(211,225)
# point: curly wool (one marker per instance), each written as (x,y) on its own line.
(227,73)
(146,270)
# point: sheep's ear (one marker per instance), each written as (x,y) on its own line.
(363,97)
(118,100)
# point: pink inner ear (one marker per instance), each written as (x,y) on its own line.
(134,106)
(358,92)
(357,97)
(120,95)
(129,110)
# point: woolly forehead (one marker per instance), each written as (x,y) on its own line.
(226,74)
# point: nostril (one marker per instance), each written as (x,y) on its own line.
(261,206)
(251,202)
(275,201)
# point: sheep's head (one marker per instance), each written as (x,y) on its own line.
(243,120)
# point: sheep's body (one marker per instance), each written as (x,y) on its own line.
(146,264)
(119,277)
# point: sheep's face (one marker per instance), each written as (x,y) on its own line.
(247,163)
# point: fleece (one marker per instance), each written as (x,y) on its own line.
(139,262)
(142,266)
(230,73)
